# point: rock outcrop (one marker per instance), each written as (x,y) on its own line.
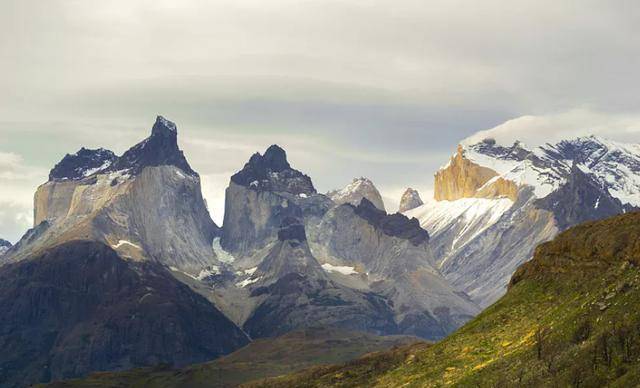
(292,291)
(146,204)
(391,256)
(580,199)
(355,191)
(410,200)
(78,308)
(261,196)
(462,178)
(82,164)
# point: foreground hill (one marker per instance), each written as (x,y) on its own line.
(571,317)
(262,358)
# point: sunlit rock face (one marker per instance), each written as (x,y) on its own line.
(146,204)
(391,255)
(464,178)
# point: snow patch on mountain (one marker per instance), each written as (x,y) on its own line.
(471,216)
(222,255)
(247,282)
(343,269)
(207,272)
(125,242)
(545,168)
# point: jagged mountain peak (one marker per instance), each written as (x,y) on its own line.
(272,172)
(615,165)
(410,200)
(355,191)
(163,126)
(159,149)
(82,164)
(276,158)
(396,225)
(580,198)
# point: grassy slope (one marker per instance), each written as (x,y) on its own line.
(262,358)
(571,318)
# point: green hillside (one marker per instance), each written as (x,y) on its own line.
(570,318)
(261,358)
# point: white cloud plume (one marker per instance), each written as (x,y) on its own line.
(537,130)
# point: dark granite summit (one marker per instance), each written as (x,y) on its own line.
(396,225)
(82,164)
(159,149)
(272,172)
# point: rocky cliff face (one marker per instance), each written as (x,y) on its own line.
(261,196)
(391,256)
(463,178)
(581,198)
(78,308)
(146,204)
(355,191)
(292,291)
(410,200)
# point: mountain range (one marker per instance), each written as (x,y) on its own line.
(493,204)
(125,268)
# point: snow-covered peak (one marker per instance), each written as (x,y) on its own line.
(615,165)
(356,190)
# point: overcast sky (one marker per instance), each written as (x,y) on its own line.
(383,89)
